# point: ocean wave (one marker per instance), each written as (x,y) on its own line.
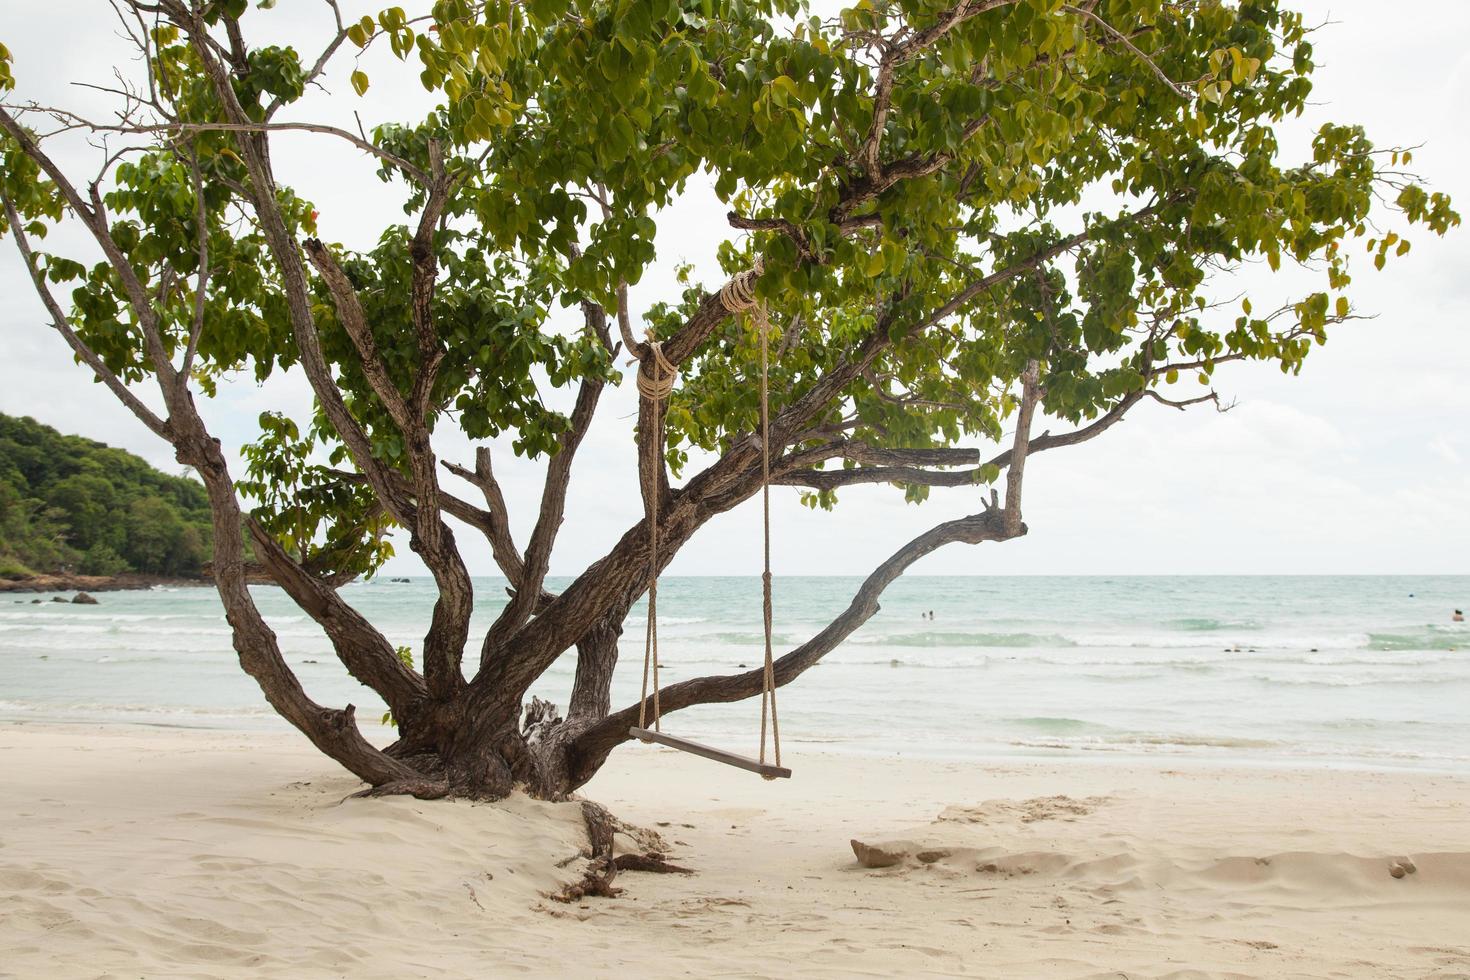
(742,639)
(640,621)
(1224,642)
(1125,742)
(150,710)
(1291,749)
(1204,624)
(49,617)
(1129,661)
(949,663)
(1410,658)
(1057,726)
(943,639)
(1363,680)
(1262,640)
(58,628)
(1433,638)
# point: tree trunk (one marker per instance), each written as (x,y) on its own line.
(488,751)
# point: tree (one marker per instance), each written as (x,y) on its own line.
(86,499)
(957,216)
(154,532)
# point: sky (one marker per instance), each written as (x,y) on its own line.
(1359,465)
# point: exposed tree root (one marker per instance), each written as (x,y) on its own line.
(603,866)
(651,863)
(423,789)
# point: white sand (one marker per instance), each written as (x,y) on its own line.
(155,853)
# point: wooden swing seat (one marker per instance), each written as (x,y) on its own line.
(704,751)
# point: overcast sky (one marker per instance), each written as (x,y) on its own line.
(1356,466)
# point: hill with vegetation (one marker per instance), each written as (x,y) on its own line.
(70,505)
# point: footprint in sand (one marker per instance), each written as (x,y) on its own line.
(1023,811)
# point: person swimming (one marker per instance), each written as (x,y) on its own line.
(1458,617)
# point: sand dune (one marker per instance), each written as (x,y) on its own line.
(127,853)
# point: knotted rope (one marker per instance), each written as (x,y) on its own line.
(738,295)
(658,385)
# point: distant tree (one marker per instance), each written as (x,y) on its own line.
(957,215)
(153,535)
(86,500)
(189,553)
(102,559)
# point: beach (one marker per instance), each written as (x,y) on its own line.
(133,851)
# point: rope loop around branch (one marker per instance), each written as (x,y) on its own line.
(738,294)
(660,384)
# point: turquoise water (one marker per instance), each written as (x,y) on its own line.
(1268,670)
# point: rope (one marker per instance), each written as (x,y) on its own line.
(655,388)
(660,384)
(768,686)
(737,296)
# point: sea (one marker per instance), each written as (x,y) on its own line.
(1335,671)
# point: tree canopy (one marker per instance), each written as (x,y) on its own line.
(957,215)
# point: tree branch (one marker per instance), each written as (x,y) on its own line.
(429,537)
(1030,391)
(201,226)
(365,652)
(79,347)
(1127,42)
(590,748)
(425,276)
(354,322)
(248,127)
(334,732)
(618,578)
(494,521)
(94,218)
(896,55)
(553,500)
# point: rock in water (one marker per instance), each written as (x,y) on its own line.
(873,856)
(83,599)
(59,598)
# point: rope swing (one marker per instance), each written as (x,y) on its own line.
(737,297)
